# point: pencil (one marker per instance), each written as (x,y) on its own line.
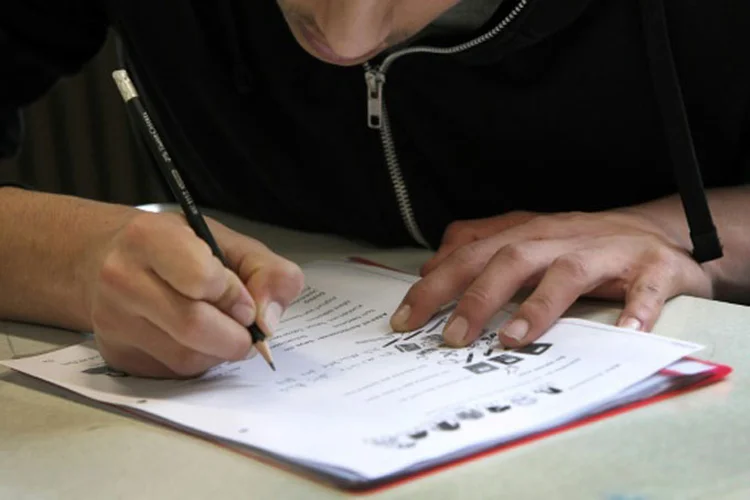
(141,119)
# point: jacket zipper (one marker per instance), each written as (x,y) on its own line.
(377,113)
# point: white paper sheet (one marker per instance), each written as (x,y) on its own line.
(350,394)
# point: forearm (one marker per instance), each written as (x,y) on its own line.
(729,206)
(47,246)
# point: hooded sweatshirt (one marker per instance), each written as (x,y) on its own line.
(549,106)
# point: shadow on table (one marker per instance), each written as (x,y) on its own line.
(18,340)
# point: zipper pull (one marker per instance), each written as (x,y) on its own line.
(375,81)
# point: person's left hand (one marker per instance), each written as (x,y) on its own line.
(619,255)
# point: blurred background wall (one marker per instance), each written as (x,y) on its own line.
(78,141)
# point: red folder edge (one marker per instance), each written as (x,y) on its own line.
(717,374)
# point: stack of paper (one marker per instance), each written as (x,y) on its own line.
(359,405)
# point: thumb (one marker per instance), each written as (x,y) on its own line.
(274,286)
(236,300)
(645,299)
(272,281)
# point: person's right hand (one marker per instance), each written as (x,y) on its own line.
(163,306)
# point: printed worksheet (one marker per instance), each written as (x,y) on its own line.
(352,396)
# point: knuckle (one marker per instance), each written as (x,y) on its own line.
(139,229)
(204,276)
(667,260)
(546,226)
(113,274)
(478,298)
(537,307)
(455,230)
(573,266)
(419,291)
(648,290)
(467,255)
(229,295)
(576,216)
(194,323)
(542,226)
(567,217)
(516,253)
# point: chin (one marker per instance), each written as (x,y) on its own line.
(335,60)
(322,52)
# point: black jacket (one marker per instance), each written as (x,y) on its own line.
(556,112)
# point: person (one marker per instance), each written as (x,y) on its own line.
(532,143)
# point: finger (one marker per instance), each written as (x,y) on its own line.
(133,361)
(456,235)
(236,300)
(645,298)
(442,285)
(273,281)
(156,354)
(168,246)
(195,324)
(503,276)
(461,233)
(569,277)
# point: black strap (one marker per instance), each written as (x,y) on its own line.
(706,244)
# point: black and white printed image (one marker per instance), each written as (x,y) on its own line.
(498,407)
(507,359)
(547,389)
(447,425)
(480,368)
(434,338)
(534,349)
(469,414)
(409,347)
(418,434)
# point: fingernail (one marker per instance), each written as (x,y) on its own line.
(631,323)
(272,315)
(455,332)
(517,329)
(401,317)
(243,313)
(251,353)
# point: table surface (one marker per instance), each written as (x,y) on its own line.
(695,446)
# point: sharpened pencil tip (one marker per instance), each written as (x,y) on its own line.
(273,366)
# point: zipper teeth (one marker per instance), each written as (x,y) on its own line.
(457,48)
(399,185)
(386,137)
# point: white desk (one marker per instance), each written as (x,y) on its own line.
(696,446)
